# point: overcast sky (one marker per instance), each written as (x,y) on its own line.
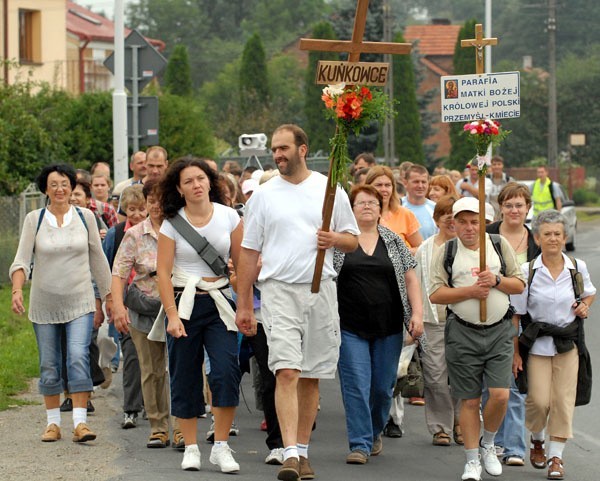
(106,6)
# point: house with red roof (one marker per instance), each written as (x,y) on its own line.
(435,43)
(90,39)
(58,42)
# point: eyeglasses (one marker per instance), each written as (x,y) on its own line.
(364,203)
(513,206)
(62,185)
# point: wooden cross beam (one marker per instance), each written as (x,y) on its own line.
(480,43)
(354,48)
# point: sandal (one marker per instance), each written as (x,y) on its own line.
(158,440)
(457,435)
(441,439)
(555,468)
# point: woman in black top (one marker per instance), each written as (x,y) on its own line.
(378,291)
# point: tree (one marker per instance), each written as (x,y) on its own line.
(178,78)
(254,81)
(407,124)
(184,129)
(528,132)
(318,128)
(464,63)
(343,24)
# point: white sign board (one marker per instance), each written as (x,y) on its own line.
(471,97)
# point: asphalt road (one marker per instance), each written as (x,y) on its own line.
(412,457)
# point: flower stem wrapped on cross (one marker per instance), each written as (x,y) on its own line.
(483,133)
(352,108)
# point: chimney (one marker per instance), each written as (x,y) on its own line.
(527,62)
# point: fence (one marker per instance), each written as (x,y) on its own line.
(12,215)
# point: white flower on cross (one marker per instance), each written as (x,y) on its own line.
(483,161)
(334,90)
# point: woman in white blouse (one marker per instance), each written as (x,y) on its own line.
(555,341)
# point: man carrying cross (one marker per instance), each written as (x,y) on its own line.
(282,222)
(477,350)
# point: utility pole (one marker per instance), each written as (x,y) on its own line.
(552,123)
(488,34)
(388,128)
(119,97)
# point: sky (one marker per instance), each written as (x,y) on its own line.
(106,6)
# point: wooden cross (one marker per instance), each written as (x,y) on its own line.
(480,43)
(354,48)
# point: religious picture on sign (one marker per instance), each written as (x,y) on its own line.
(451,89)
(352,107)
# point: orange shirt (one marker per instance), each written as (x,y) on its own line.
(402,222)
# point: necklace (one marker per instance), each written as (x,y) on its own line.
(199,221)
(520,242)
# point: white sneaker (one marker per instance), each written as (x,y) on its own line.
(472,471)
(275,456)
(221,456)
(191,459)
(234,430)
(490,460)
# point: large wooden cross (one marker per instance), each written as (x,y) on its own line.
(480,43)
(354,48)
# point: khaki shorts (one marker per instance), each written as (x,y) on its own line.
(302,328)
(472,354)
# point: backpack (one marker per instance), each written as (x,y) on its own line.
(452,246)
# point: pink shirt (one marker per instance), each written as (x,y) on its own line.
(138,252)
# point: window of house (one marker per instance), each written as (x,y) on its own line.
(30,36)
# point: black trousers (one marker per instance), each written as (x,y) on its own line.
(261,353)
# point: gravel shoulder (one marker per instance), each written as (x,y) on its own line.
(25,457)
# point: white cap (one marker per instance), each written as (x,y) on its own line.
(257,174)
(249,185)
(489,212)
(469,204)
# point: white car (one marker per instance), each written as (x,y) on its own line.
(568,210)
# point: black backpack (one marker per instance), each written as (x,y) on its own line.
(452,246)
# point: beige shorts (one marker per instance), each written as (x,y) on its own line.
(302,328)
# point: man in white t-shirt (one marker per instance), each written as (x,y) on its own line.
(469,186)
(137,165)
(283,223)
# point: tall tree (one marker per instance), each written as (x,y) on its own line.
(318,128)
(464,63)
(407,124)
(178,78)
(254,81)
(343,24)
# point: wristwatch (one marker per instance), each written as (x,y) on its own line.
(497,281)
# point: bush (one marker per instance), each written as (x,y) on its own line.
(585,197)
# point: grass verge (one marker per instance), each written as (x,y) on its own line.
(583,216)
(18,351)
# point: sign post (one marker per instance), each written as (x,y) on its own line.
(360,73)
(480,43)
(142,63)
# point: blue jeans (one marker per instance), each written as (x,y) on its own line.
(511,433)
(367,370)
(79,335)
